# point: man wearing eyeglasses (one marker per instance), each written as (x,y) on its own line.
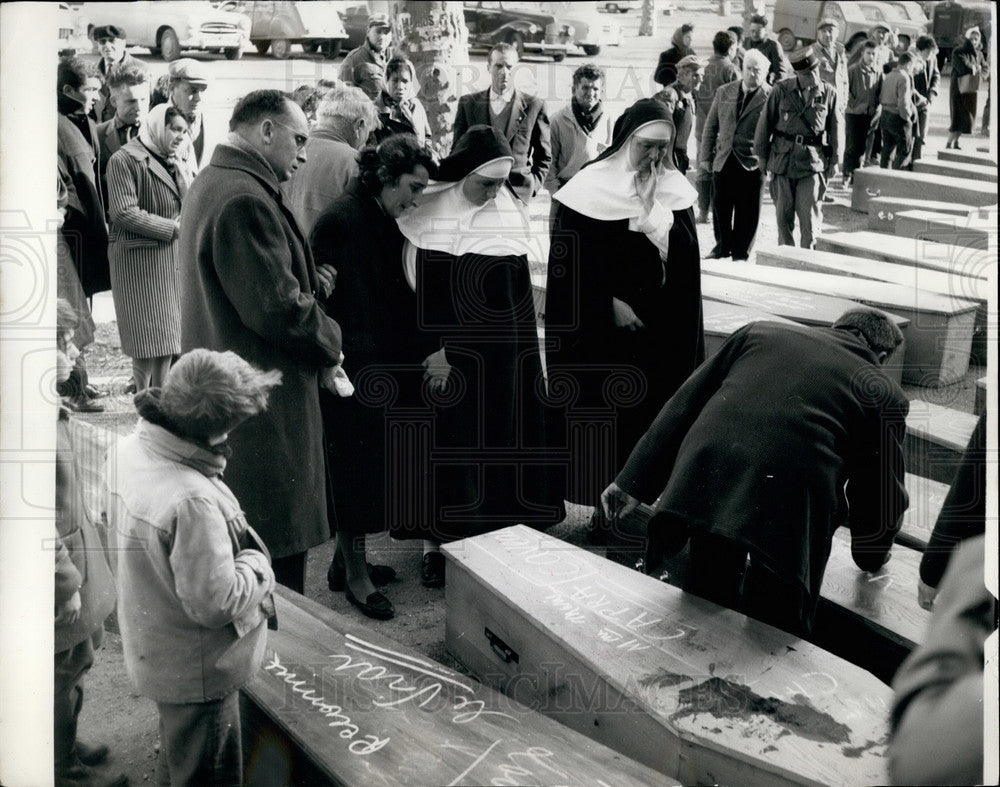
(249,285)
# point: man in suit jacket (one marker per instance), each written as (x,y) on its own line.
(110,42)
(739,474)
(130,93)
(249,284)
(516,116)
(726,151)
(925,82)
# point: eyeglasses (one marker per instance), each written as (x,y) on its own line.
(300,139)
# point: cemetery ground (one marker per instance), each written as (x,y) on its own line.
(113,712)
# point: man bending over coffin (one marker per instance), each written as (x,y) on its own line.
(787,433)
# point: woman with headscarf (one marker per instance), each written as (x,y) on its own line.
(377,312)
(666,66)
(399,112)
(623,319)
(967,67)
(147,180)
(488,465)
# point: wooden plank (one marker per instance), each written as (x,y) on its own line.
(882,211)
(936,438)
(939,335)
(956,169)
(696,691)
(974,233)
(361,709)
(872,182)
(722,319)
(967,157)
(935,256)
(926,499)
(952,284)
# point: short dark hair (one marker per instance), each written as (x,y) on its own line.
(877,328)
(398,63)
(905,58)
(308,96)
(395,156)
(591,72)
(257,105)
(74,71)
(723,42)
(758,19)
(171,113)
(869,44)
(686,28)
(502,49)
(925,43)
(127,74)
(736,30)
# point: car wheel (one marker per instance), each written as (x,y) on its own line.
(281,48)
(261,46)
(331,49)
(787,39)
(170,47)
(234,53)
(591,50)
(558,57)
(310,47)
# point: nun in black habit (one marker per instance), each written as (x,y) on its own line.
(487,466)
(623,319)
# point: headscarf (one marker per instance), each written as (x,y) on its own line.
(605,188)
(153,134)
(971,30)
(447,221)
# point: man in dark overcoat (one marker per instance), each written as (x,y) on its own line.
(784,435)
(518,117)
(249,285)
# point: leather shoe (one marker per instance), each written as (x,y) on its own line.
(93,393)
(91,754)
(81,404)
(375,606)
(336,574)
(432,570)
(75,774)
(716,254)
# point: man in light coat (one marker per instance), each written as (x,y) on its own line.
(249,285)
(580,130)
(727,151)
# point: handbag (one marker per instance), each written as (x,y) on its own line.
(968,83)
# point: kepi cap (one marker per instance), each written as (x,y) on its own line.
(189,69)
(827,21)
(107,31)
(804,59)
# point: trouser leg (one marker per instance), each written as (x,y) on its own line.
(715,570)
(904,144)
(151,372)
(722,211)
(290,571)
(70,668)
(200,743)
(746,213)
(809,193)
(775,600)
(782,194)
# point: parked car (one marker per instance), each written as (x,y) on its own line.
(795,21)
(620,6)
(591,31)
(169,27)
(72,35)
(952,19)
(522,25)
(354,17)
(277,26)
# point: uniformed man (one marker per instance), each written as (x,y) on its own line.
(364,66)
(833,69)
(797,137)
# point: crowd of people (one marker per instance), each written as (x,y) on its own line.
(342,320)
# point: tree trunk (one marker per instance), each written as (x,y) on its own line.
(647,20)
(433,35)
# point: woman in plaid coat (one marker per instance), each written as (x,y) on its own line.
(146,183)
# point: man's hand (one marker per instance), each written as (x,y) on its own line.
(326,275)
(925,594)
(832,169)
(69,612)
(617,503)
(625,317)
(437,370)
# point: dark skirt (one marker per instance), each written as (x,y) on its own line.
(963,109)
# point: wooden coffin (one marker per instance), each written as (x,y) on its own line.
(976,233)
(956,169)
(939,335)
(926,499)
(701,693)
(871,182)
(337,703)
(923,254)
(722,319)
(967,157)
(936,438)
(952,284)
(882,211)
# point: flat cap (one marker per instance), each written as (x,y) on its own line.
(690,61)
(107,31)
(803,59)
(379,20)
(189,69)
